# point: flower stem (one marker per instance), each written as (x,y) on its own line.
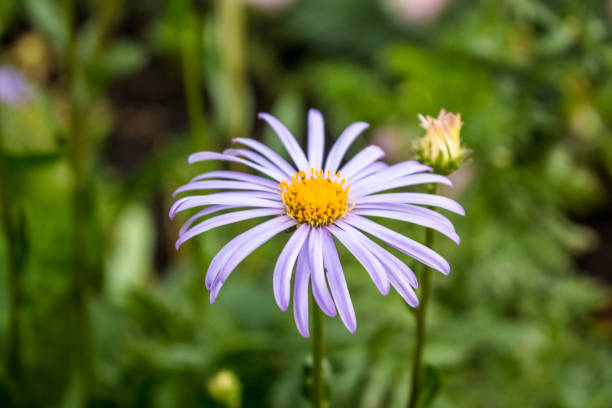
(420,314)
(318,350)
(190,43)
(82,359)
(233,106)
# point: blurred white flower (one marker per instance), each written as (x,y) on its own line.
(416,11)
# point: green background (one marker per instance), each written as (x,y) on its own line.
(109,315)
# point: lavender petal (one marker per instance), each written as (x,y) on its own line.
(204,156)
(392,172)
(270,154)
(319,283)
(223,185)
(412,218)
(400,182)
(240,247)
(413,198)
(225,219)
(316,138)
(258,159)
(300,294)
(408,246)
(369,170)
(365,258)
(338,150)
(337,283)
(245,199)
(361,160)
(206,211)
(281,281)
(285,136)
(391,263)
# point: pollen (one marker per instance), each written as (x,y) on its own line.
(317,200)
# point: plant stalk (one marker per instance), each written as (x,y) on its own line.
(82,359)
(190,43)
(318,351)
(420,316)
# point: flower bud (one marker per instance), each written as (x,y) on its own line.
(441,147)
(226,389)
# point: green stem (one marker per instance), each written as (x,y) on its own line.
(189,37)
(420,315)
(233,106)
(318,350)
(80,291)
(12,264)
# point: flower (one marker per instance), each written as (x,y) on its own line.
(441,147)
(225,388)
(13,86)
(270,5)
(416,11)
(322,201)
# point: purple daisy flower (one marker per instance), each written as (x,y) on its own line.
(13,86)
(323,201)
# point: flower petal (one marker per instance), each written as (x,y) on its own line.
(337,283)
(409,209)
(222,185)
(236,175)
(365,258)
(225,219)
(397,271)
(319,283)
(202,213)
(361,160)
(244,199)
(258,159)
(285,136)
(386,184)
(239,248)
(391,173)
(281,281)
(268,153)
(316,138)
(413,198)
(413,218)
(408,246)
(204,156)
(300,294)
(373,168)
(402,286)
(338,150)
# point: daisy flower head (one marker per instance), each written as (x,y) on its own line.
(323,200)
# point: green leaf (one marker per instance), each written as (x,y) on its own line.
(47,17)
(124,57)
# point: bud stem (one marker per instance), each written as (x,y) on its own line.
(318,350)
(420,315)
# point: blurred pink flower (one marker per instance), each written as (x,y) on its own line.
(416,11)
(269,5)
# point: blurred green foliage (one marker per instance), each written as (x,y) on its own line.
(123,91)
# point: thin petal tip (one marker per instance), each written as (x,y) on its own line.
(351,327)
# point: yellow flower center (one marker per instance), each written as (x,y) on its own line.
(316,200)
